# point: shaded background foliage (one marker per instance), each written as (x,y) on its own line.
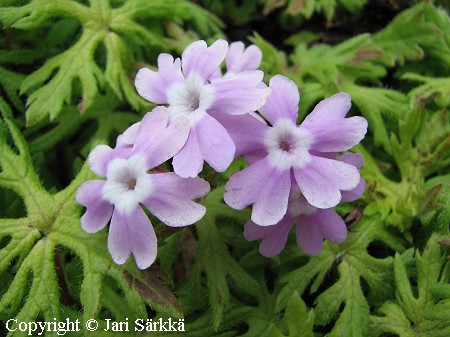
(66,83)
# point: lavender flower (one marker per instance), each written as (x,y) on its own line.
(187,87)
(129,185)
(277,151)
(313,224)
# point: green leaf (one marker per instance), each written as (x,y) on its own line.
(353,264)
(116,28)
(405,37)
(308,7)
(11,81)
(297,319)
(424,314)
(437,89)
(52,221)
(214,259)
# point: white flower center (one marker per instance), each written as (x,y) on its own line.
(190,99)
(287,145)
(127,183)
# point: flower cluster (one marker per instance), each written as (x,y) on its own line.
(296,174)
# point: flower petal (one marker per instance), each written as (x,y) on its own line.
(240,58)
(354,194)
(158,140)
(99,159)
(309,237)
(129,136)
(202,60)
(153,85)
(283,101)
(172,202)
(274,243)
(322,224)
(271,205)
(332,131)
(322,179)
(254,232)
(132,234)
(98,211)
(274,237)
(354,159)
(245,186)
(262,185)
(238,128)
(239,94)
(331,225)
(188,162)
(216,145)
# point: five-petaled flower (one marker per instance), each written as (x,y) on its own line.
(281,150)
(313,224)
(192,88)
(128,185)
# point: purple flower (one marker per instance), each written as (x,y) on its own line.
(276,152)
(187,88)
(128,185)
(313,224)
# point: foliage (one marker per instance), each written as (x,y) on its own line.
(74,62)
(115,29)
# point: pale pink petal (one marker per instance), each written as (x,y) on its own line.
(322,224)
(322,180)
(274,237)
(202,60)
(332,131)
(273,244)
(171,202)
(309,236)
(98,211)
(354,159)
(331,225)
(244,187)
(239,94)
(99,159)
(159,140)
(254,232)
(238,128)
(240,58)
(262,185)
(272,202)
(132,234)
(283,101)
(337,105)
(128,137)
(216,75)
(153,85)
(354,194)
(188,162)
(255,156)
(119,243)
(216,145)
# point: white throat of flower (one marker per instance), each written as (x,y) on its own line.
(287,145)
(127,183)
(190,99)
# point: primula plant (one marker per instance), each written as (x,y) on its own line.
(224,168)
